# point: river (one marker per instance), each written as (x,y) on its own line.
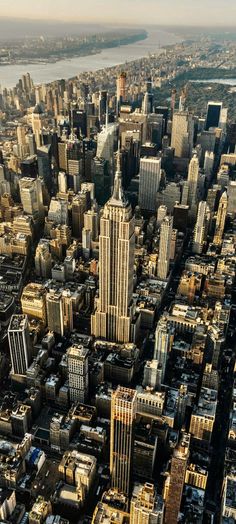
(47,72)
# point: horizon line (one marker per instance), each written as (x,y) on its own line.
(110,22)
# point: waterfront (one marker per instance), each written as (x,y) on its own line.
(223,81)
(47,72)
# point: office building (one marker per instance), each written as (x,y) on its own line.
(91,222)
(112,318)
(193,176)
(121,90)
(77,358)
(19,344)
(146,506)
(31,196)
(163,341)
(182,134)
(213,114)
(58,211)
(43,259)
(203,416)
(231,210)
(209,164)
(152,374)
(165,247)
(105,143)
(201,227)
(33,301)
(123,412)
(161,214)
(55,312)
(179,463)
(220,219)
(149,182)
(101,177)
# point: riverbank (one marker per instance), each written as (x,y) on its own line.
(68,68)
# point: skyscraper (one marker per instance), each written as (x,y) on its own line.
(201,227)
(149,181)
(77,358)
(193,174)
(31,196)
(182,134)
(55,312)
(19,343)
(220,218)
(121,89)
(213,114)
(165,247)
(163,341)
(177,479)
(43,259)
(112,318)
(123,412)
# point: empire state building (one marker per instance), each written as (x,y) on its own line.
(112,318)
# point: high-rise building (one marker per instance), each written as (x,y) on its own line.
(161,214)
(152,374)
(203,415)
(182,134)
(112,318)
(33,301)
(91,222)
(100,174)
(105,143)
(169,196)
(201,227)
(23,148)
(220,218)
(103,106)
(19,343)
(121,90)
(44,158)
(37,124)
(232,198)
(43,259)
(146,506)
(123,412)
(213,114)
(67,301)
(165,247)
(58,211)
(149,182)
(31,196)
(163,341)
(208,163)
(77,358)
(55,312)
(193,175)
(177,478)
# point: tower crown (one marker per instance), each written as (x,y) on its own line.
(118,197)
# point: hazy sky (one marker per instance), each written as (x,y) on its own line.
(179,12)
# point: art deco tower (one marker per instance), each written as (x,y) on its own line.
(220,219)
(123,413)
(201,227)
(112,318)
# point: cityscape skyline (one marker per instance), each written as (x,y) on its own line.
(118,275)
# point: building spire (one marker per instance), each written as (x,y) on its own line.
(118,190)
